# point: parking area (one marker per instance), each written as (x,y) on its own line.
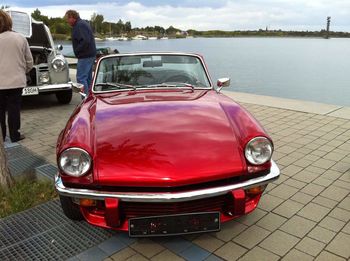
(304,215)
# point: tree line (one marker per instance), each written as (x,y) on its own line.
(101,28)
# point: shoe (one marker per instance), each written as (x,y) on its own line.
(21,137)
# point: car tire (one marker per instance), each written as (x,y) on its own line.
(64,97)
(70,209)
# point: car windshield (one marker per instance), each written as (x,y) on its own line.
(150,71)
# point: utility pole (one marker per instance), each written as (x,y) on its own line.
(328,24)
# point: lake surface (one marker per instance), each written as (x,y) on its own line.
(309,69)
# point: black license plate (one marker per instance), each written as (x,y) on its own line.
(170,225)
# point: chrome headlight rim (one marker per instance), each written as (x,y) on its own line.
(84,153)
(58,64)
(250,146)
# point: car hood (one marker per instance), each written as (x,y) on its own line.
(165,139)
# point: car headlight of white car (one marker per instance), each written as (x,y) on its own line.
(74,162)
(58,64)
(258,150)
(44,77)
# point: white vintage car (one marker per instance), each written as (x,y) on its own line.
(50,73)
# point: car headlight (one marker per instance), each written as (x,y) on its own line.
(44,77)
(58,64)
(258,150)
(74,162)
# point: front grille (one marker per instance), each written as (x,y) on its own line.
(140,209)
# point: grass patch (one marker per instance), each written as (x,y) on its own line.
(25,193)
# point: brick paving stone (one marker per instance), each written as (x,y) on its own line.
(312,189)
(295,183)
(294,255)
(340,245)
(342,184)
(271,222)
(341,167)
(230,251)
(326,202)
(279,242)
(340,214)
(137,257)
(346,229)
(194,252)
(251,236)
(302,198)
(326,256)
(288,208)
(310,246)
(147,247)
(335,193)
(332,224)
(291,170)
(345,203)
(303,163)
(322,234)
(123,254)
(314,212)
(306,176)
(298,226)
(208,242)
(322,181)
(331,174)
(269,202)
(260,254)
(252,217)
(167,255)
(229,230)
(283,191)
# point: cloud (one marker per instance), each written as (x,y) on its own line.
(208,15)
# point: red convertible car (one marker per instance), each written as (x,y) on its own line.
(155,149)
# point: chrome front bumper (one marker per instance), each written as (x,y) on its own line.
(55,87)
(166,197)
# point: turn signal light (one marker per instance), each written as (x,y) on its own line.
(86,202)
(255,190)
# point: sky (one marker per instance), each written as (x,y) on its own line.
(228,15)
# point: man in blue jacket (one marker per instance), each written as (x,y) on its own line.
(84,47)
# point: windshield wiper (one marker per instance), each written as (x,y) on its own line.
(169,85)
(116,85)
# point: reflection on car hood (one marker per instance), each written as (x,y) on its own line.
(164,139)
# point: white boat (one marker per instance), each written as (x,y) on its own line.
(139,37)
(152,38)
(122,38)
(111,39)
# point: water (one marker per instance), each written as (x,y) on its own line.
(297,68)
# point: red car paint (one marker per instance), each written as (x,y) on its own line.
(158,139)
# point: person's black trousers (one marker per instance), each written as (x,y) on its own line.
(10,101)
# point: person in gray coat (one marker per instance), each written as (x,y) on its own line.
(15,61)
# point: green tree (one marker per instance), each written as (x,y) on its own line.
(97,21)
(37,16)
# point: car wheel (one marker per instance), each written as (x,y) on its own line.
(70,209)
(64,97)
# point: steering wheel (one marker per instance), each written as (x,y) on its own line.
(183,78)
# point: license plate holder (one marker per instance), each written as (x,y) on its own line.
(170,225)
(30,91)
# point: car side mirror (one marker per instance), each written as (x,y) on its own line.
(60,47)
(78,88)
(223,82)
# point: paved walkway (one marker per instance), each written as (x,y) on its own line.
(305,215)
